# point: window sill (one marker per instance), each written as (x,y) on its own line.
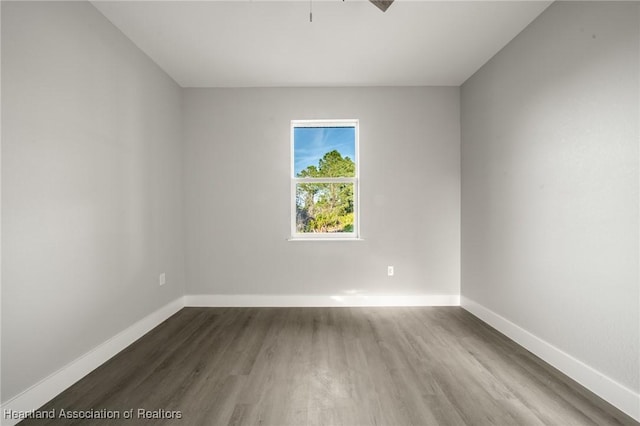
(324,239)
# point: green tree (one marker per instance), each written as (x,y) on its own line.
(326,207)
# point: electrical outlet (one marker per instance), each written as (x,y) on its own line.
(163,279)
(390,271)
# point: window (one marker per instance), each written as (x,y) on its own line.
(324,179)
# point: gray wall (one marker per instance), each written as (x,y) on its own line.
(237,189)
(550,130)
(91,187)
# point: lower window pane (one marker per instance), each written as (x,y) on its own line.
(324,207)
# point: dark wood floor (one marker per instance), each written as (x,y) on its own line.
(332,366)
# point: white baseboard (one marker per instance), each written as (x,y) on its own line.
(606,388)
(300,300)
(45,390)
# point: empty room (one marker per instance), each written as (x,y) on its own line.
(320,212)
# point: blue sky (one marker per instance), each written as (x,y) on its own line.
(311,143)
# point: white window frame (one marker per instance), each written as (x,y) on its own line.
(327,236)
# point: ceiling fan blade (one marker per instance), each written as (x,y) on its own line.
(383,5)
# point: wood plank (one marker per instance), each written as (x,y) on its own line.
(332,366)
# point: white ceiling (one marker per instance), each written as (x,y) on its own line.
(349,43)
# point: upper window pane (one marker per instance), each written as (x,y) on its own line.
(324,151)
